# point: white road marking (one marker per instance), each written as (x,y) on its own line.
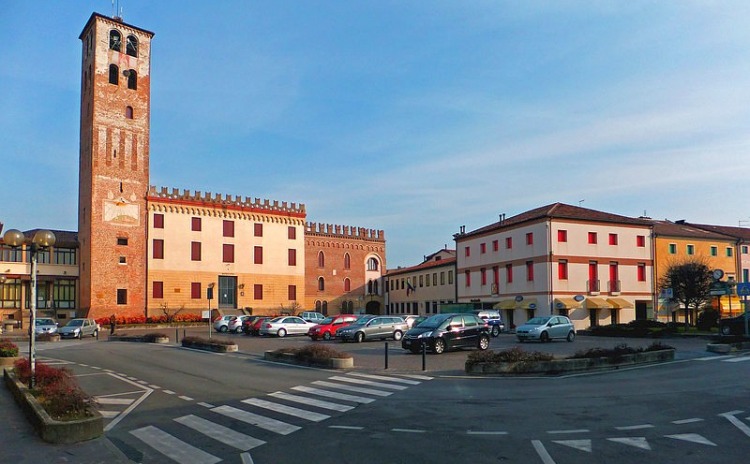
(220,433)
(289,410)
(345,427)
(97,368)
(638,442)
(738,359)
(687,421)
(713,358)
(134,379)
(312,402)
(409,430)
(692,437)
(84,365)
(583,445)
(636,427)
(568,431)
(172,447)
(206,405)
(155,387)
(129,409)
(542,452)
(482,432)
(246,458)
(368,391)
(334,395)
(142,382)
(168,392)
(109,414)
(267,423)
(186,398)
(416,376)
(736,422)
(140,392)
(103,400)
(386,378)
(367,382)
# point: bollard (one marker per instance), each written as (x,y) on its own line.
(424,356)
(386,355)
(97,335)
(183,334)
(177,335)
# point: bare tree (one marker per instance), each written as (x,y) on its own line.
(170,314)
(292,309)
(690,281)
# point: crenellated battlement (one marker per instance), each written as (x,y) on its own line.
(219,200)
(335,230)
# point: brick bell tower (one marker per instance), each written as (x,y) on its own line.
(114,167)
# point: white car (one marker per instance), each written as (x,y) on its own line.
(78,328)
(235,323)
(546,328)
(44,325)
(286,325)
(221,323)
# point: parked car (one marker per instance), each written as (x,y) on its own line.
(413,319)
(235,323)
(732,325)
(546,328)
(285,325)
(44,325)
(494,319)
(312,316)
(326,329)
(221,323)
(247,324)
(447,331)
(373,327)
(257,323)
(78,328)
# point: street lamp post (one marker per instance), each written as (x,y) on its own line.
(42,239)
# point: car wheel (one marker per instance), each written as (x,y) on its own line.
(326,335)
(725,330)
(313,338)
(484,342)
(397,335)
(571,336)
(359,337)
(495,331)
(80,335)
(439,346)
(223,328)
(95,334)
(544,337)
(281,333)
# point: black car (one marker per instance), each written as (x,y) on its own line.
(445,331)
(732,325)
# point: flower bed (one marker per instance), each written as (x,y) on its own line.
(218,346)
(145,338)
(8,353)
(312,355)
(517,361)
(57,408)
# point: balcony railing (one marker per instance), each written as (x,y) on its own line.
(592,286)
(613,286)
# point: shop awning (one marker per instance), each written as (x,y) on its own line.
(528,303)
(620,303)
(505,304)
(566,303)
(597,303)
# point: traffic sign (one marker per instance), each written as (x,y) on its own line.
(743,289)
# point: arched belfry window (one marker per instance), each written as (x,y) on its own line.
(114,74)
(321,259)
(347,285)
(115,40)
(372,264)
(132,79)
(347,261)
(321,284)
(131,46)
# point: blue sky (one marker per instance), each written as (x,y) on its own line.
(411,117)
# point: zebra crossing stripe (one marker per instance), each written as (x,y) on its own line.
(738,359)
(289,410)
(172,447)
(267,423)
(109,414)
(416,376)
(312,402)
(368,391)
(383,377)
(102,400)
(368,382)
(334,395)
(220,433)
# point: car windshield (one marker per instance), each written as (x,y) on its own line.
(537,321)
(45,322)
(75,323)
(326,321)
(433,322)
(277,319)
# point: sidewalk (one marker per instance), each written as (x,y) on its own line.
(20,444)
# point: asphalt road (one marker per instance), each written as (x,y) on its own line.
(169,404)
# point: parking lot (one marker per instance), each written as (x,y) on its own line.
(372,354)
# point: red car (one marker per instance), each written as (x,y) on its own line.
(252,326)
(328,326)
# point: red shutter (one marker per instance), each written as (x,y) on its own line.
(196,224)
(228,253)
(195,290)
(195,251)
(258,229)
(293,257)
(228,228)
(158,248)
(158,289)
(258,255)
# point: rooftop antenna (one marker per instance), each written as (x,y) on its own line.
(579,202)
(743,222)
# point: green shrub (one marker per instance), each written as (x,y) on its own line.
(214,341)
(8,349)
(511,355)
(153,336)
(56,390)
(618,351)
(319,353)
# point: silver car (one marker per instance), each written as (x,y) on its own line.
(546,328)
(373,327)
(44,325)
(78,328)
(286,325)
